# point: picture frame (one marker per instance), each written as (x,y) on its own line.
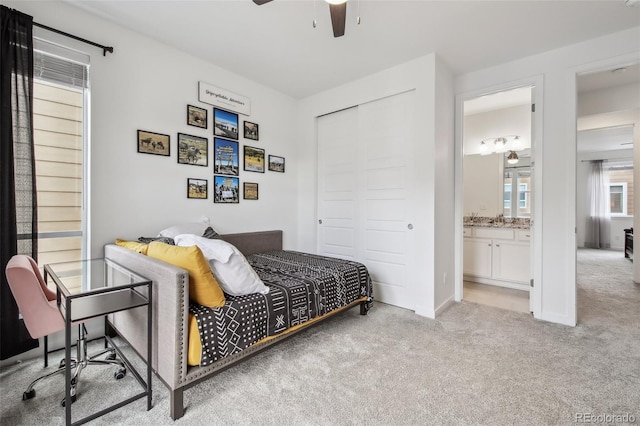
(225,124)
(225,157)
(276,164)
(193,150)
(249,191)
(197,188)
(226,189)
(253,159)
(250,130)
(197,117)
(154,143)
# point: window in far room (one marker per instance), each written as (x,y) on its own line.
(620,176)
(60,117)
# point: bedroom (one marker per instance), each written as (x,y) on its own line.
(141,69)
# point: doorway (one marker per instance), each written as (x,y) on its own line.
(496,201)
(607,128)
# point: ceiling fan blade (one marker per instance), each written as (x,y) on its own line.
(261,2)
(338,18)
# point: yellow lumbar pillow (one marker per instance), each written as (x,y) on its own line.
(203,287)
(133,245)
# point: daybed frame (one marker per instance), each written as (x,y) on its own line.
(170,311)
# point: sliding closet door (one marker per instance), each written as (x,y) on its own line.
(337,183)
(363,195)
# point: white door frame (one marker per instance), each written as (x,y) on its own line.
(536,144)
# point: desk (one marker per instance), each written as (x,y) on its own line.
(93,288)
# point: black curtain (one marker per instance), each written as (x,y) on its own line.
(18,218)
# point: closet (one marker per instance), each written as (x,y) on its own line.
(365,182)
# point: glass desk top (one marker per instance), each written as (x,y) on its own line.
(96,287)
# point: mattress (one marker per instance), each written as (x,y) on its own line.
(303,288)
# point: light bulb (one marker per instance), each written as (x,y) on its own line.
(512,158)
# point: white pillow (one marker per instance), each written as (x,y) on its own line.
(228,264)
(211,248)
(196,228)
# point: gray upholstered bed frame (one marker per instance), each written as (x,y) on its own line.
(170,312)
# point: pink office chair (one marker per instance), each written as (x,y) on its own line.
(37,304)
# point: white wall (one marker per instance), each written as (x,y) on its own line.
(433,152)
(147,85)
(557,194)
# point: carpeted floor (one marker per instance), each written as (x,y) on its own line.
(473,365)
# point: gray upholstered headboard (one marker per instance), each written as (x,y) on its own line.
(255,242)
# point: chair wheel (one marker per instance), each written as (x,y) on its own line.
(120,374)
(111,356)
(29,395)
(63,402)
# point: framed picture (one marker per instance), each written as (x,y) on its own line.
(250,130)
(253,159)
(197,188)
(250,191)
(196,116)
(225,157)
(225,124)
(276,164)
(193,150)
(226,189)
(153,143)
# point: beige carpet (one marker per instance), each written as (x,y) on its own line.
(473,365)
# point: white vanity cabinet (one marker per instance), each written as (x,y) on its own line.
(497,256)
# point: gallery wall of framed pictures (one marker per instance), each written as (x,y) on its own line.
(193,150)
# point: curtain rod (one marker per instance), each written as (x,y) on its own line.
(105,49)
(606,160)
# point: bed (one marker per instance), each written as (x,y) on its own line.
(197,342)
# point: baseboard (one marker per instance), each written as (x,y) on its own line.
(558,319)
(444,305)
(425,311)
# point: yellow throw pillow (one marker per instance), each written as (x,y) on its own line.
(133,245)
(203,287)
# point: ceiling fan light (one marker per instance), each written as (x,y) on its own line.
(512,158)
(336,1)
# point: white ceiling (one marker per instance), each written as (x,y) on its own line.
(276,44)
(605,139)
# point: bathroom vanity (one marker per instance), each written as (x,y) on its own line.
(497,255)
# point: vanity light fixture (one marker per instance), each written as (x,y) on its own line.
(512,158)
(484,149)
(501,145)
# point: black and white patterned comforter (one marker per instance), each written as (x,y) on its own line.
(302,287)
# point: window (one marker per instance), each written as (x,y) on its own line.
(520,178)
(620,177)
(60,116)
(618,198)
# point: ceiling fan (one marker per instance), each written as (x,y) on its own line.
(338,9)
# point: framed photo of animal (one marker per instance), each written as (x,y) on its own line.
(225,157)
(153,143)
(193,150)
(253,159)
(196,116)
(197,188)
(251,131)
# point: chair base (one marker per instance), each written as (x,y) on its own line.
(81,361)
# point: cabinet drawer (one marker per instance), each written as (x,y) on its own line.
(524,235)
(494,233)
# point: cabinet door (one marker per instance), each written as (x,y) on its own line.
(511,262)
(477,257)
